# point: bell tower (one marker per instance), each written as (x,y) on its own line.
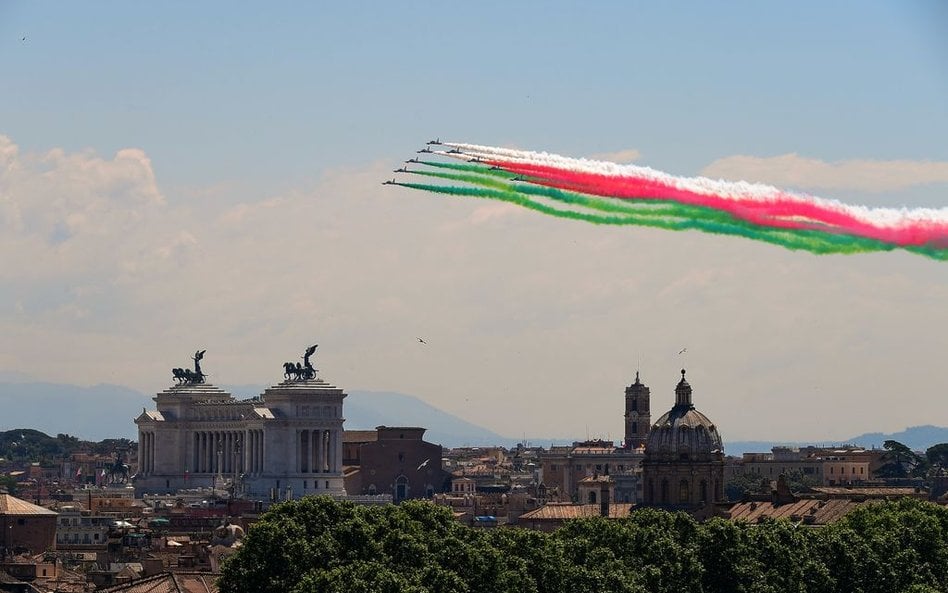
(638,419)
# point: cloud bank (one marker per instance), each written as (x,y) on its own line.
(795,171)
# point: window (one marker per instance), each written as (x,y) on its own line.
(401,457)
(635,427)
(591,497)
(664,491)
(635,406)
(684,493)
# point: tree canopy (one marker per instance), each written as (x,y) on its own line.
(318,544)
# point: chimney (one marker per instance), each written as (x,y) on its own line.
(604,498)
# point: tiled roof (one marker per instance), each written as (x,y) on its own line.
(360,436)
(822,512)
(168,582)
(563,511)
(10,505)
(872,492)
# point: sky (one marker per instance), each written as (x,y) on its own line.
(180,175)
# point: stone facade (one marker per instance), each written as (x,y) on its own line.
(285,443)
(638,417)
(398,462)
(25,526)
(684,457)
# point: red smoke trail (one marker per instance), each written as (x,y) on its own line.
(772,213)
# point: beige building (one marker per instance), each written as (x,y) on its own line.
(826,466)
(283,444)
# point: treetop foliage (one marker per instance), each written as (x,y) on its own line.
(320,545)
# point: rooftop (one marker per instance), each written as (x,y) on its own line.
(10,505)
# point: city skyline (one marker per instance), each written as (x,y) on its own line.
(207,177)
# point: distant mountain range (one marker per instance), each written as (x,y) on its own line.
(106,411)
(917,438)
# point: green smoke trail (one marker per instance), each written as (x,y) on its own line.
(679,217)
(645,207)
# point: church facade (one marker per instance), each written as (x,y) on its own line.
(283,444)
(683,466)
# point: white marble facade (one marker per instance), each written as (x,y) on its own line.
(285,443)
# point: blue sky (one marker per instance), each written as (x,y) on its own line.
(208,172)
(214,88)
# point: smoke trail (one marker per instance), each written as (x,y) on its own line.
(903,226)
(608,193)
(812,241)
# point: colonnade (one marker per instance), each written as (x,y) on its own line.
(226,451)
(146,453)
(317,451)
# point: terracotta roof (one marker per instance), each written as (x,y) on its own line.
(169,582)
(10,505)
(360,436)
(821,511)
(872,492)
(563,511)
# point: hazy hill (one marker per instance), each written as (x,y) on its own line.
(90,413)
(917,438)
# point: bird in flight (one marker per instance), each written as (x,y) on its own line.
(422,341)
(424,463)
(682,351)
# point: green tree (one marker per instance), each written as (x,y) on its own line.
(901,461)
(9,483)
(937,456)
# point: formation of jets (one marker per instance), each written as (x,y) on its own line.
(453,151)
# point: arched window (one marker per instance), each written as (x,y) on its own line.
(372,491)
(664,492)
(704,491)
(684,494)
(401,488)
(591,497)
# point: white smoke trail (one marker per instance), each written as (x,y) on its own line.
(893,218)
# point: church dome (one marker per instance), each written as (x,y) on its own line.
(683,433)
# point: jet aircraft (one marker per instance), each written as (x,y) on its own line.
(401,170)
(392,182)
(435,141)
(425,149)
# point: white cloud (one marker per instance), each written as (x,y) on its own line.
(627,155)
(792,170)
